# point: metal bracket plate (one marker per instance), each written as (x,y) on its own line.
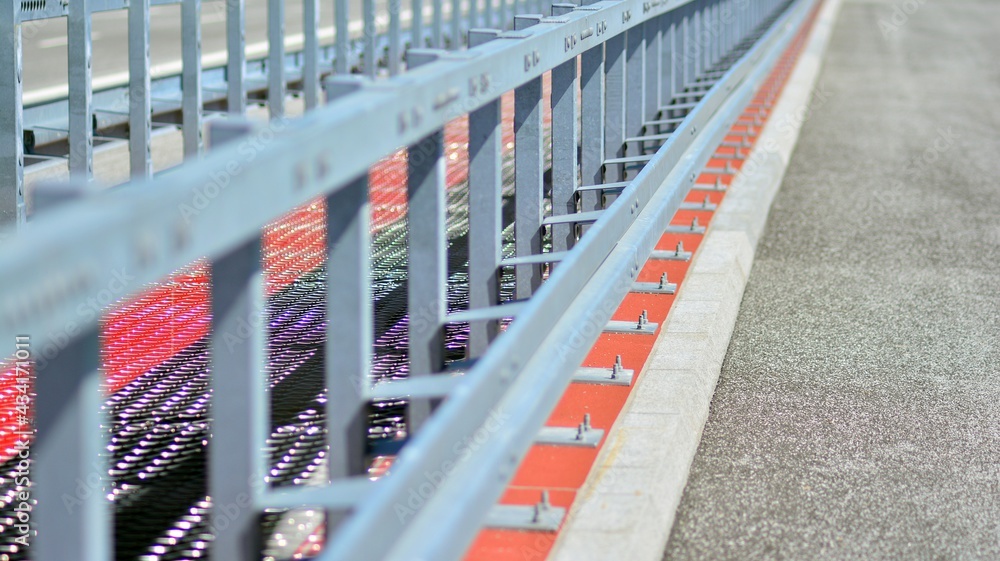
(717,186)
(654,287)
(525,517)
(708,205)
(670,255)
(604,376)
(617,326)
(681,229)
(570,436)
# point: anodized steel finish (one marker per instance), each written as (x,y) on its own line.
(215,207)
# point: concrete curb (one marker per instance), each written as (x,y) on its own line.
(627,508)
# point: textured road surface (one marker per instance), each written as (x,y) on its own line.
(858,411)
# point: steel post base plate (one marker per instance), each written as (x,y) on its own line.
(708,187)
(570,436)
(617,326)
(670,255)
(681,229)
(709,206)
(603,376)
(525,517)
(654,287)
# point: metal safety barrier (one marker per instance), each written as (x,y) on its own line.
(642,92)
(64,124)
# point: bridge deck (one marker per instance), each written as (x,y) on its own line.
(856,415)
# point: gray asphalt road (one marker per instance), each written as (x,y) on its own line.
(44,41)
(858,411)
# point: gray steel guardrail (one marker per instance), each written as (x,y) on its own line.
(637,63)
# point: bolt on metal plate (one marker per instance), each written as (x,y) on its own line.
(643,325)
(717,186)
(541,517)
(694,228)
(667,255)
(614,376)
(661,287)
(582,435)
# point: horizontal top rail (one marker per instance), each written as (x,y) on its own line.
(190,213)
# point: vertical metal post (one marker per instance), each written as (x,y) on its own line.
(78,51)
(529,163)
(191,106)
(742,21)
(310,58)
(140,125)
(68,455)
(437,25)
(528,169)
(427,262)
(565,137)
(341,22)
(706,37)
(417,25)
(725,27)
(237,467)
(488,14)
(687,46)
(12,209)
(504,16)
(710,34)
(697,32)
(427,270)
(276,58)
(716,33)
(236,62)
(485,205)
(746,20)
(737,8)
(395,48)
(635,88)
(456,24)
(349,328)
(614,106)
(371,62)
(667,50)
(473,15)
(591,124)
(652,72)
